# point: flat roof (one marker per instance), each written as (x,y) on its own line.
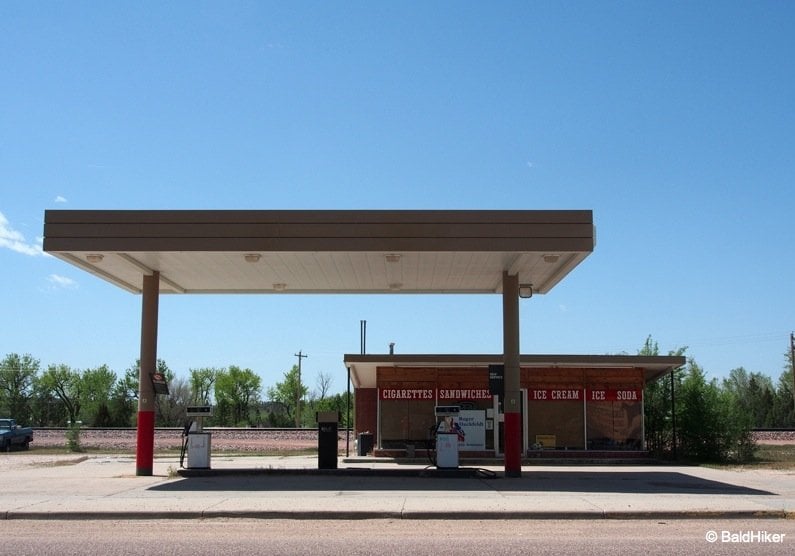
(317,251)
(363,367)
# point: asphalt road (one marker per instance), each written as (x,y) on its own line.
(403,537)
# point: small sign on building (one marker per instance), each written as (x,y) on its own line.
(497,380)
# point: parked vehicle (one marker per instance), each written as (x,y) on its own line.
(12,434)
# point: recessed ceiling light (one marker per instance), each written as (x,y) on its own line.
(395,286)
(280,286)
(252,257)
(525,291)
(393,257)
(551,258)
(95,258)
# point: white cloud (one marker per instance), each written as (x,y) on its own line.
(61,281)
(12,239)
(61,199)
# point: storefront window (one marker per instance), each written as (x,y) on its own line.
(614,419)
(555,418)
(406,422)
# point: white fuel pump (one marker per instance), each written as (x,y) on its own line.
(447,433)
(197,442)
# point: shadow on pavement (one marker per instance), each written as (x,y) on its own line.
(641,482)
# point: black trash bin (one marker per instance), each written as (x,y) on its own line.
(365,445)
(327,425)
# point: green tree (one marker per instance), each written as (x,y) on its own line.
(714,426)
(97,385)
(17,375)
(699,427)
(287,392)
(124,399)
(783,413)
(64,383)
(202,383)
(752,394)
(236,391)
(47,408)
(658,405)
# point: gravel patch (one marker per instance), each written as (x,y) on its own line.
(236,440)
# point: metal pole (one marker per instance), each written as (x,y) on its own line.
(348,420)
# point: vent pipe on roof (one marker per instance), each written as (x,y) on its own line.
(391,348)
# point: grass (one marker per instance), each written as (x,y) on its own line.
(774,456)
(767,456)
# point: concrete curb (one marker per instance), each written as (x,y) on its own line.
(418,515)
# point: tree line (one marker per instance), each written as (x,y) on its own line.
(692,418)
(61,395)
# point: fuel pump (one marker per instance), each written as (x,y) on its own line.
(196,442)
(447,432)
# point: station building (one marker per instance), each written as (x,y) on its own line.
(573,405)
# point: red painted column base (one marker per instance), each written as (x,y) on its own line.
(513,445)
(145,444)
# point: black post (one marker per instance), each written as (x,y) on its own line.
(348,419)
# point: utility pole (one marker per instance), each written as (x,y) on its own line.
(792,361)
(300,356)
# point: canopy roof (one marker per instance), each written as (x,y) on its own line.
(363,367)
(372,251)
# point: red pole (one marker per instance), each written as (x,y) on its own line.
(145,439)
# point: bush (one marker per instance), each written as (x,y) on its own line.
(73,437)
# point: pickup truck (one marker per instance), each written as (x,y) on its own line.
(12,434)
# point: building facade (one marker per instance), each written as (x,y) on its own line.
(568,403)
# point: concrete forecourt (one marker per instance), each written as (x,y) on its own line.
(68,487)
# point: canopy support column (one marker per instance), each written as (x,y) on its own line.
(512,407)
(144,455)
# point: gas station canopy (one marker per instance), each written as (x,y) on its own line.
(514,253)
(308,251)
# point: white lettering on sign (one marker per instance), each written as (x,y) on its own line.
(611,395)
(406,394)
(464,394)
(565,394)
(551,394)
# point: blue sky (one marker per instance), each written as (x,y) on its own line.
(673,121)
